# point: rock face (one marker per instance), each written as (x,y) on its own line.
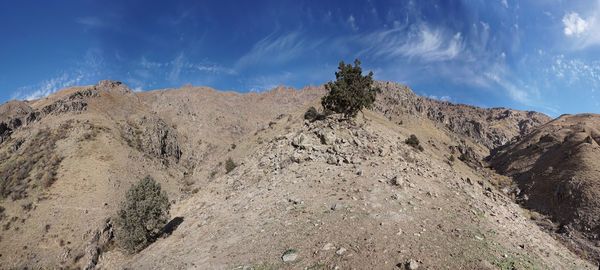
(556,169)
(154,137)
(489,127)
(12,115)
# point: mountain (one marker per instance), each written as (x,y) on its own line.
(556,168)
(320,194)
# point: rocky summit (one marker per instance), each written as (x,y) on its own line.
(413,183)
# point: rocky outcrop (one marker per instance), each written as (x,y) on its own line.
(466,154)
(151,135)
(112,87)
(489,127)
(75,102)
(100,241)
(12,115)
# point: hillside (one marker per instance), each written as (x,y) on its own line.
(345,194)
(556,169)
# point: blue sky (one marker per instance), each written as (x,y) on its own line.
(536,55)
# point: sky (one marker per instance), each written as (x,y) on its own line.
(541,55)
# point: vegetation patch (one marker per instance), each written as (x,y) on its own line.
(34,164)
(142,216)
(230,165)
(351,92)
(414,142)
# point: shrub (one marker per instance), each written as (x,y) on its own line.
(414,142)
(351,92)
(311,114)
(142,215)
(229,165)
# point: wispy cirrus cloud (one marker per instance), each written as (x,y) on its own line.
(48,87)
(419,41)
(352,23)
(87,70)
(146,72)
(277,49)
(92,22)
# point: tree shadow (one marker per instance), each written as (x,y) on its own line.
(172,226)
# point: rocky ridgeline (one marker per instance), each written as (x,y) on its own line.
(19,113)
(490,127)
(15,114)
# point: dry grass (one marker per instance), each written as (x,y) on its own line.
(35,164)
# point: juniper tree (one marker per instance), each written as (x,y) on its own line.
(142,216)
(351,92)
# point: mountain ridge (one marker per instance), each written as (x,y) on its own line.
(102,138)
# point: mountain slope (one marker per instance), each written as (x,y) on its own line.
(345,195)
(556,168)
(67,160)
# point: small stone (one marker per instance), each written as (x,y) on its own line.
(336,206)
(328,246)
(298,141)
(411,265)
(397,181)
(332,160)
(289,256)
(296,157)
(341,251)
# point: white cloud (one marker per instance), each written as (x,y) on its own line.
(421,42)
(48,87)
(504,3)
(277,50)
(583,31)
(352,22)
(574,25)
(173,70)
(516,93)
(176,67)
(88,69)
(576,71)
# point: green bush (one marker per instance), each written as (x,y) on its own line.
(142,215)
(311,114)
(414,142)
(351,92)
(229,165)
